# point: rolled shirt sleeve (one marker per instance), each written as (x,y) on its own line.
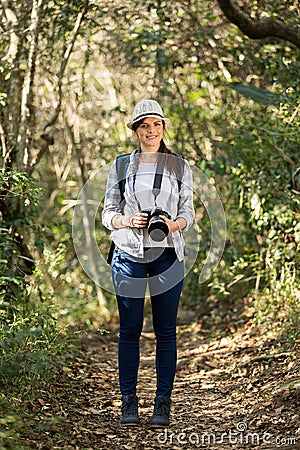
(112,198)
(186,204)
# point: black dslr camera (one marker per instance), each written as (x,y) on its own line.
(157,228)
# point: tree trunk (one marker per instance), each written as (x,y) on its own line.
(26,129)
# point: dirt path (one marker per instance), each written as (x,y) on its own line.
(238,391)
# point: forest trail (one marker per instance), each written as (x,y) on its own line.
(237,391)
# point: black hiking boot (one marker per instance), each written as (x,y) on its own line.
(130,410)
(161,413)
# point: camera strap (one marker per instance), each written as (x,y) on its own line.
(157,179)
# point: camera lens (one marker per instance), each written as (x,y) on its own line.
(158,229)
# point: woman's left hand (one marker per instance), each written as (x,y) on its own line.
(173,225)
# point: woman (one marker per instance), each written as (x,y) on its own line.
(155,178)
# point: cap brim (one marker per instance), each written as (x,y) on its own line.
(165,119)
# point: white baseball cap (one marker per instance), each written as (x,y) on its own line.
(148,108)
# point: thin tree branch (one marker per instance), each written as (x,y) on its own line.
(46,141)
(64,64)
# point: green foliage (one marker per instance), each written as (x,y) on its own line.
(27,331)
(18,211)
(263,169)
(258,94)
(28,346)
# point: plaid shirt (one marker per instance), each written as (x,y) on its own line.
(131,240)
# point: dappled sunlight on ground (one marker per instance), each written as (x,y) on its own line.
(238,391)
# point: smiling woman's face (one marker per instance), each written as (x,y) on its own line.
(150,133)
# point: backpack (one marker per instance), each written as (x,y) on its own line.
(122,163)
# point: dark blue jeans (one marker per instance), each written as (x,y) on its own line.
(164,274)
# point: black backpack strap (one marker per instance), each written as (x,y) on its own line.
(122,163)
(110,252)
(180,171)
(159,174)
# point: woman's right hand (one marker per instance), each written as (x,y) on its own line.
(138,220)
